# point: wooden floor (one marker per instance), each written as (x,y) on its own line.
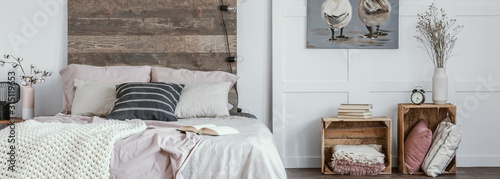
(476,172)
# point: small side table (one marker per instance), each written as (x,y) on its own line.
(432,114)
(15,120)
(335,131)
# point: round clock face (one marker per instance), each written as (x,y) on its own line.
(417,98)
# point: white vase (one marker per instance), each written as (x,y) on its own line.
(440,86)
(28,96)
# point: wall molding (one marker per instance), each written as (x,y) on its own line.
(478,8)
(385,86)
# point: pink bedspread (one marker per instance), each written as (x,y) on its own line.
(158,152)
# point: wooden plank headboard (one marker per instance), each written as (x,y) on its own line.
(173,33)
(185,34)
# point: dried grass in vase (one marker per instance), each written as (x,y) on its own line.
(438,34)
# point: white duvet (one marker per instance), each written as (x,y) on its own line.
(250,154)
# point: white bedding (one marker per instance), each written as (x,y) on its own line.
(163,152)
(250,154)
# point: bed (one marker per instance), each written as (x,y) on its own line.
(154,148)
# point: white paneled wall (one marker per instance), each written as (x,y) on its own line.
(311,83)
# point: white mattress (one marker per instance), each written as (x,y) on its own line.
(250,154)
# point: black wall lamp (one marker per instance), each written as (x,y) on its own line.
(227,8)
(235,59)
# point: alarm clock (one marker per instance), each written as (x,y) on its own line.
(418,96)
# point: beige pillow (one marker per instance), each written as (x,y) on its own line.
(109,74)
(183,76)
(93,98)
(203,100)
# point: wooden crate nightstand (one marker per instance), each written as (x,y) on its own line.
(15,120)
(410,114)
(334,131)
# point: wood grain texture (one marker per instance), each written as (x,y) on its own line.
(410,114)
(150,44)
(12,119)
(191,61)
(336,131)
(178,34)
(145,8)
(356,133)
(150,26)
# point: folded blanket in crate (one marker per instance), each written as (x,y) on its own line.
(357,159)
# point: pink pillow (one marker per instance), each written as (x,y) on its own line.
(111,74)
(183,76)
(416,146)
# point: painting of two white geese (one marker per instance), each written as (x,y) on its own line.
(352,24)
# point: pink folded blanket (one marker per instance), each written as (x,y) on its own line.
(345,167)
(357,159)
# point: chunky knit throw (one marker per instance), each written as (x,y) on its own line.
(59,150)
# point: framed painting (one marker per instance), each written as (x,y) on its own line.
(353,24)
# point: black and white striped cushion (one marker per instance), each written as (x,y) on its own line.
(147,101)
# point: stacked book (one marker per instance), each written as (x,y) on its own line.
(355,111)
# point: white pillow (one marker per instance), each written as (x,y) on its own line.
(203,100)
(443,148)
(93,98)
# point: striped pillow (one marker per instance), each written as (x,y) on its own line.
(443,148)
(147,101)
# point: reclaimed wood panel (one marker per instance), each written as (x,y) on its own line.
(150,44)
(190,61)
(356,133)
(149,26)
(178,34)
(146,8)
(350,124)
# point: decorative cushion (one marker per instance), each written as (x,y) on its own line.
(443,148)
(111,74)
(183,76)
(203,100)
(93,98)
(147,101)
(416,146)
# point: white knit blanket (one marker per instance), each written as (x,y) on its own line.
(59,150)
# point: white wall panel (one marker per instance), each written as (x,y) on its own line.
(476,54)
(303,113)
(480,120)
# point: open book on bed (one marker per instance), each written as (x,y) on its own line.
(209,129)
